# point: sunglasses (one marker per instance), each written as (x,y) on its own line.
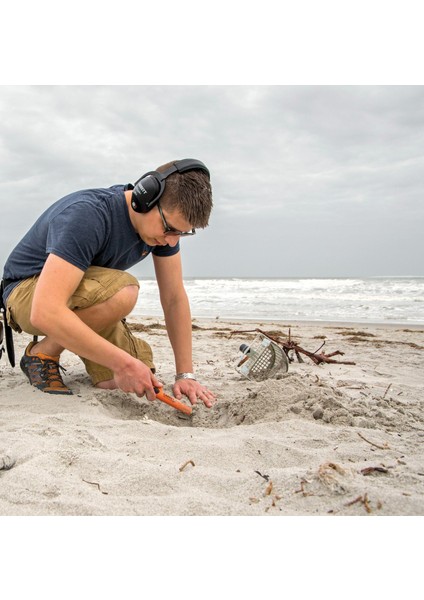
(167,230)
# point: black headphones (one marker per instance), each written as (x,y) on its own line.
(150,187)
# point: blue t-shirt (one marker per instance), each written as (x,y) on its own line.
(86,228)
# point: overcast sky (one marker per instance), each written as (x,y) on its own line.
(308,181)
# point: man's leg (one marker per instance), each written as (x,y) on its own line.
(98,317)
(90,303)
(102,300)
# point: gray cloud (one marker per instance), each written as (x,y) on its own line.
(307,180)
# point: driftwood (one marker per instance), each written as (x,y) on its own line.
(291,346)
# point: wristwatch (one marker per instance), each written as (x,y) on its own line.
(185,376)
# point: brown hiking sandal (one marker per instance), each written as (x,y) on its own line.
(43,372)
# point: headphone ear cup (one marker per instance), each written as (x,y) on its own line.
(145,194)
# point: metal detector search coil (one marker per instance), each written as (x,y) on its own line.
(263,358)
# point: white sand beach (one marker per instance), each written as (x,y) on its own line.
(329,439)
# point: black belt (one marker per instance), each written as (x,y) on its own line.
(9,335)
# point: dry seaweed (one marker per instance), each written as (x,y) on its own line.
(291,346)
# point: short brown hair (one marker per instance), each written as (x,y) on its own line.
(190,193)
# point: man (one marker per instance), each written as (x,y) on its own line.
(66,280)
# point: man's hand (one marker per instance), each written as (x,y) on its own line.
(193,390)
(137,378)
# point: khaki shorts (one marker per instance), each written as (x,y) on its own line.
(97,285)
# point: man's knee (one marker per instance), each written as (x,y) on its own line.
(103,316)
(127,298)
(99,285)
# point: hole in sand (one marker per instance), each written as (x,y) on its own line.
(244,402)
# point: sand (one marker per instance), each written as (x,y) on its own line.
(331,439)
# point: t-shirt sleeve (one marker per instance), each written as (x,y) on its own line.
(166,250)
(77,234)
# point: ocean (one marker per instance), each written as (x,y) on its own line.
(396,300)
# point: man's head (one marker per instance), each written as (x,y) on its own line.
(167,205)
(189,193)
(181,185)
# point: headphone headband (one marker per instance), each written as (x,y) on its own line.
(150,187)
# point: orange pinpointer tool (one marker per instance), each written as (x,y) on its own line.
(160,395)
